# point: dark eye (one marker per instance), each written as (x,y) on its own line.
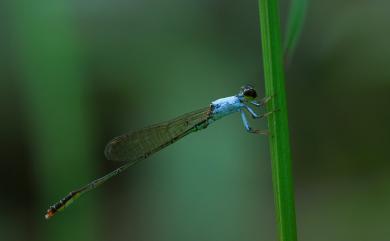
(250,93)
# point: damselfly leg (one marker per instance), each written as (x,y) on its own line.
(250,129)
(262,101)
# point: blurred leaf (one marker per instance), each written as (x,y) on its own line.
(296,19)
(55,96)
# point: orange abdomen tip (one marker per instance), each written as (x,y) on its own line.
(50,213)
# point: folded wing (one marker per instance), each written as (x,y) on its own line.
(140,144)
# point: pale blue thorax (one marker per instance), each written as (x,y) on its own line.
(226,106)
(229,105)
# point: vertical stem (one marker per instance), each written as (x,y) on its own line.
(278,122)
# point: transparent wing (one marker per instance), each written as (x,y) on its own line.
(140,144)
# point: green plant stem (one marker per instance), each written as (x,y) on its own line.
(278,122)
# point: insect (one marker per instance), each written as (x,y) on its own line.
(139,145)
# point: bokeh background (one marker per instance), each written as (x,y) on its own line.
(73,74)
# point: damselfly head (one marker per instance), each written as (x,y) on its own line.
(247,92)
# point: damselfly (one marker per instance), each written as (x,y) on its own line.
(138,145)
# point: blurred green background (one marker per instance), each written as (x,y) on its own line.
(73,74)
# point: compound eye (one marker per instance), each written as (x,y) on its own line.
(250,93)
